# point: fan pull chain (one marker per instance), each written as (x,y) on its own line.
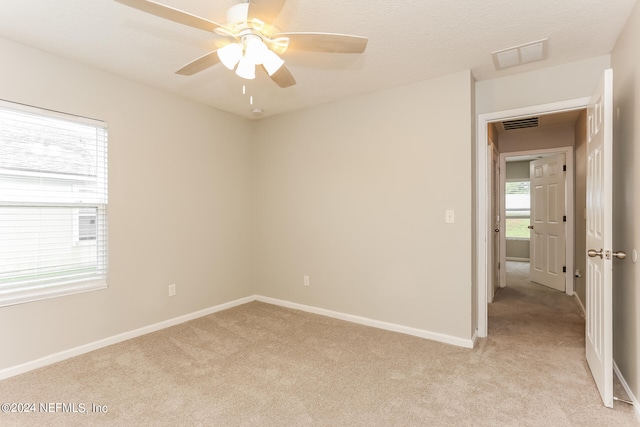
(244,92)
(249,92)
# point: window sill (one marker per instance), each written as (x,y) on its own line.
(21,296)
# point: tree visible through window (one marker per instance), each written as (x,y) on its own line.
(517,209)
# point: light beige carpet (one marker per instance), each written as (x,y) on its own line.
(263,365)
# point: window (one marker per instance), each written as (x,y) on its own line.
(518,209)
(53,204)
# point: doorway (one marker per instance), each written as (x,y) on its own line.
(486,264)
(537,220)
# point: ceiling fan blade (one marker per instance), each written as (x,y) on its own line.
(325,42)
(283,77)
(265,10)
(172,14)
(202,63)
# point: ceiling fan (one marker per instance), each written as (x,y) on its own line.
(254,42)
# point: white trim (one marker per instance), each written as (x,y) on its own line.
(516,259)
(584,310)
(569,206)
(12,105)
(435,336)
(625,385)
(86,348)
(483,225)
(483,184)
(502,225)
(54,291)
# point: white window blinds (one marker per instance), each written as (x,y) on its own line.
(53,204)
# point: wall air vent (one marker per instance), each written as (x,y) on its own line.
(529,122)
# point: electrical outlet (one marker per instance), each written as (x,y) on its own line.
(306,280)
(449,216)
(172,289)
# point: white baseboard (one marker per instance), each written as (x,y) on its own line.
(584,310)
(86,348)
(435,336)
(625,385)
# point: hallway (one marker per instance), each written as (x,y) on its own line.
(535,311)
(549,327)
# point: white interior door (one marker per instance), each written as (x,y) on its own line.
(599,333)
(547,244)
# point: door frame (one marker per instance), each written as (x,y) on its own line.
(484,270)
(496,169)
(569,201)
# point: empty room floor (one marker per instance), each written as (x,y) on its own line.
(264,365)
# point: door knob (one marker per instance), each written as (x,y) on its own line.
(497,230)
(530,227)
(620,254)
(593,253)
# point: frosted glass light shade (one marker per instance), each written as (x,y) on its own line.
(272,62)
(230,55)
(255,49)
(246,69)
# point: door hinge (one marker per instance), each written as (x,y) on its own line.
(564,269)
(564,168)
(564,218)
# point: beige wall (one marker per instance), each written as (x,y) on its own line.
(573,80)
(626,199)
(517,249)
(354,195)
(178,208)
(537,139)
(518,171)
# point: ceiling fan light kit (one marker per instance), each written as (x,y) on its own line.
(246,69)
(230,55)
(251,52)
(254,40)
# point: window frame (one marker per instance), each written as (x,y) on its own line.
(29,290)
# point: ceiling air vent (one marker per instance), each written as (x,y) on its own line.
(529,122)
(519,55)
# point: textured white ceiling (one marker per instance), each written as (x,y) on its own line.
(409,41)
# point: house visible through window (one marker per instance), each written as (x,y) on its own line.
(87,224)
(517,209)
(53,200)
